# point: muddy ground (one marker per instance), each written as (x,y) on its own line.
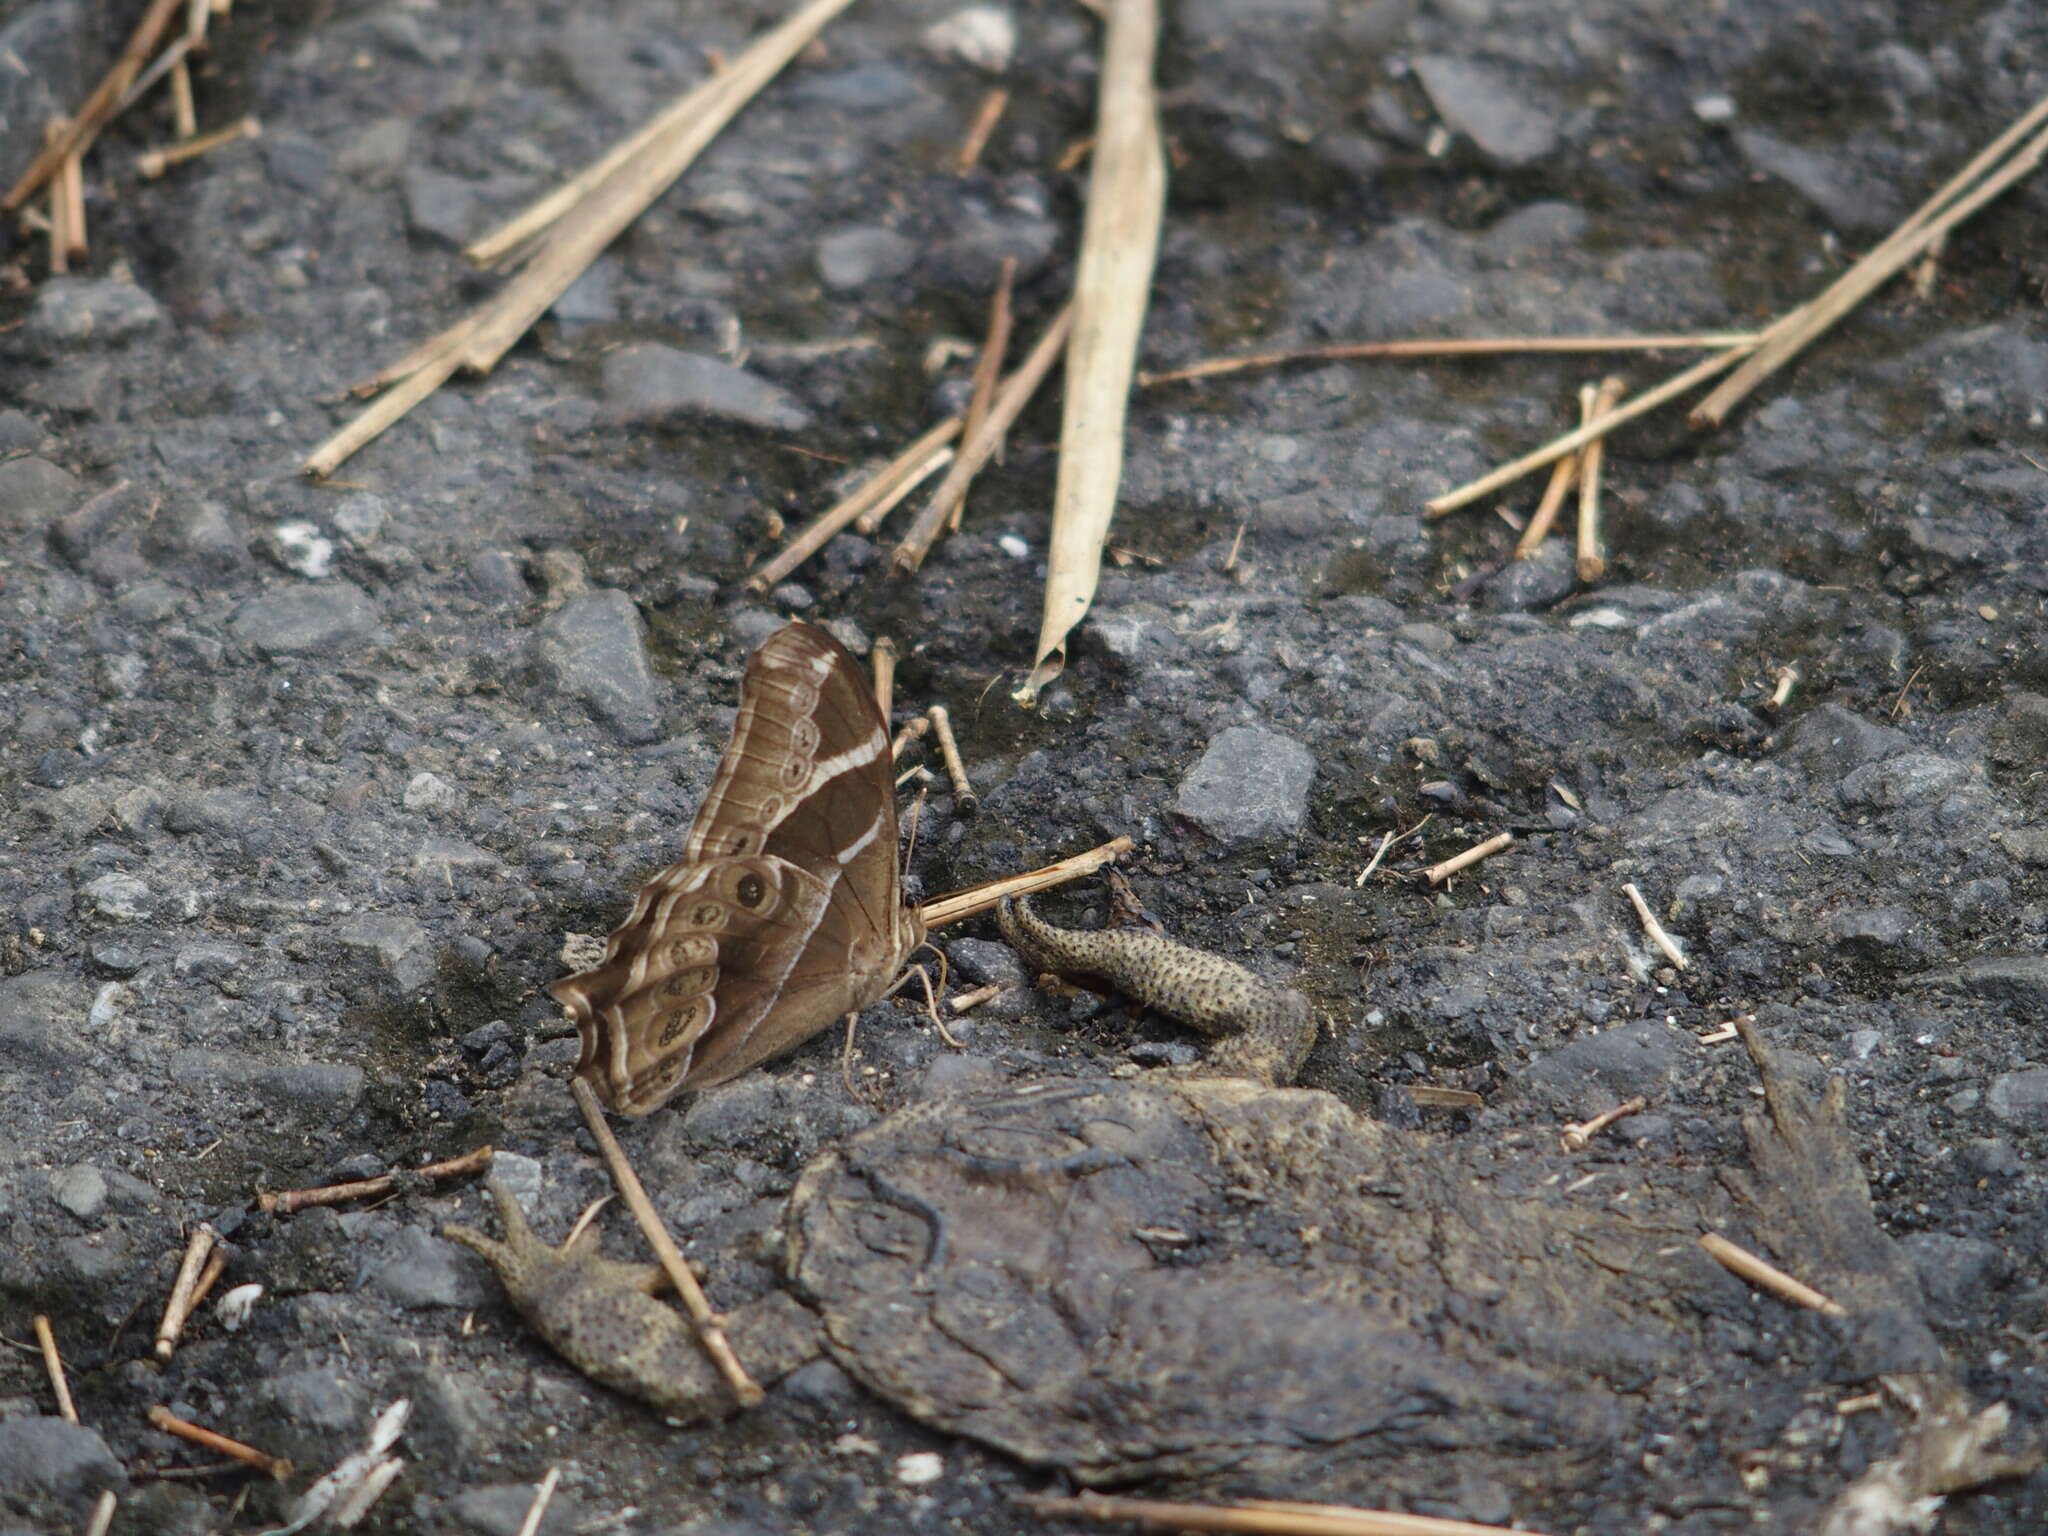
(304,784)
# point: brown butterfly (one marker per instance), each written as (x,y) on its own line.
(786,911)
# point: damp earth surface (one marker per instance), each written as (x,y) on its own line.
(306,783)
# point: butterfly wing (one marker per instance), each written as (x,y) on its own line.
(786,910)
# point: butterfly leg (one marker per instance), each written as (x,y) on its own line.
(601,1317)
(1261,1029)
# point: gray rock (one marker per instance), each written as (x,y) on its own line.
(497,577)
(852,259)
(421,1270)
(43,1018)
(197,540)
(323,1087)
(594,648)
(1846,197)
(50,40)
(1912,778)
(1595,1072)
(1483,104)
(302,621)
(123,898)
(2020,738)
(52,1459)
(70,313)
(1546,577)
(2020,1099)
(431,794)
(219,811)
(735,1113)
(360,518)
(440,207)
(1952,1269)
(81,1189)
(651,383)
(2028,844)
(499,1509)
(985,962)
(396,945)
(1828,741)
(35,493)
(209,960)
(863,88)
(2021,979)
(1879,932)
(1250,785)
(316,1400)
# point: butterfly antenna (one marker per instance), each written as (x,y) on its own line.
(916,818)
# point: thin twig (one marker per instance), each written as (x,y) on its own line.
(868,503)
(1925,226)
(1579,1133)
(178,1309)
(1768,1277)
(285,1201)
(1654,929)
(1563,474)
(967,1002)
(99,107)
(102,1514)
(1009,402)
(986,116)
(1439,873)
(1260,1517)
(745,1390)
(184,114)
(152,163)
(1592,564)
(539,1506)
(955,905)
(883,665)
(185,1429)
(54,1364)
(1787,680)
(1578,437)
(1477,346)
(988,370)
(70,186)
(964,798)
(911,731)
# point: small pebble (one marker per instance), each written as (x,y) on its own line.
(920,1468)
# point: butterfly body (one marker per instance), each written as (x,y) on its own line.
(786,910)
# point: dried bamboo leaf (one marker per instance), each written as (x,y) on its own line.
(1119,241)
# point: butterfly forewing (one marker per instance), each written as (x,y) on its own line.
(786,910)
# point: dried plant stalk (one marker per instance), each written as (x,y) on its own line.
(1449,346)
(877,496)
(1010,400)
(575,240)
(1119,243)
(99,107)
(1263,1517)
(955,905)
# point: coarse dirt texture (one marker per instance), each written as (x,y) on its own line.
(303,785)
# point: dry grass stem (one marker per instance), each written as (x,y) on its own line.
(178,1309)
(1432,1097)
(184,115)
(1653,929)
(910,732)
(988,367)
(1260,1517)
(572,243)
(539,1507)
(102,1514)
(1592,563)
(1563,474)
(964,798)
(986,116)
(1923,228)
(69,187)
(867,503)
(58,229)
(152,163)
(1439,873)
(1787,680)
(1766,1276)
(533,220)
(179,51)
(198,15)
(1578,437)
(1424,346)
(955,905)
(1578,1134)
(1112,285)
(1722,1035)
(744,1388)
(54,1364)
(883,665)
(967,1002)
(284,1201)
(1009,402)
(99,107)
(248,1455)
(209,1277)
